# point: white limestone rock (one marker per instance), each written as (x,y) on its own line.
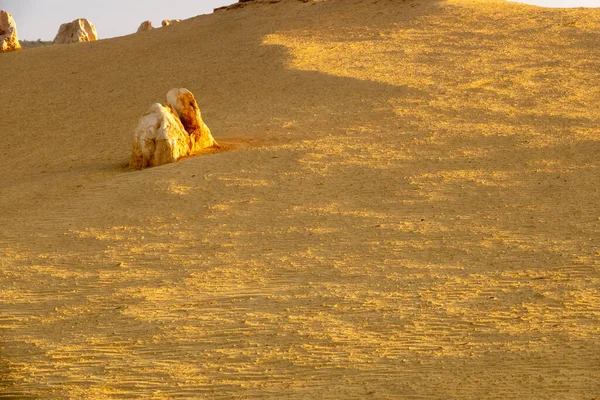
(145,26)
(159,138)
(80,30)
(9,40)
(168,22)
(184,103)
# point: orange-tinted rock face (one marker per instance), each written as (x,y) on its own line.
(184,103)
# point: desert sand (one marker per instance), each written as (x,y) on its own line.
(406,206)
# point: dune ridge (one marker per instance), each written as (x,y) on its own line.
(406,207)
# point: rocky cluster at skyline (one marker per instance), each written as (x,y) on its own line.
(79,30)
(243,3)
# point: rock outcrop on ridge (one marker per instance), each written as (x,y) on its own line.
(168,22)
(9,40)
(145,26)
(244,3)
(80,30)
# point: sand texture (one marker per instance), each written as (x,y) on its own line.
(406,206)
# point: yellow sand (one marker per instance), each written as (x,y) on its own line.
(408,207)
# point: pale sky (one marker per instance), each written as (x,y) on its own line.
(40,19)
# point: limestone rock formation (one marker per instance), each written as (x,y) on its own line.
(145,26)
(184,103)
(168,22)
(167,133)
(80,30)
(159,138)
(9,40)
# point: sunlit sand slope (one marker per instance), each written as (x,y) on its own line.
(407,206)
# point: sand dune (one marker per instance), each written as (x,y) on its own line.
(407,206)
